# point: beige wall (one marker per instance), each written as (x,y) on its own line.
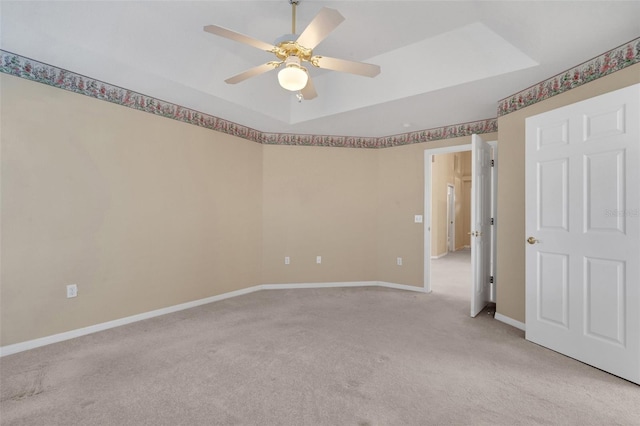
(319,201)
(353,207)
(511,186)
(144,212)
(400,197)
(141,212)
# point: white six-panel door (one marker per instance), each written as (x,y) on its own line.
(583,231)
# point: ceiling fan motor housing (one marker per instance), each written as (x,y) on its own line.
(286,46)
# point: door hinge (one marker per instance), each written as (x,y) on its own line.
(491,279)
(493,222)
(493,163)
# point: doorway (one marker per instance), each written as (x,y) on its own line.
(450,212)
(457,241)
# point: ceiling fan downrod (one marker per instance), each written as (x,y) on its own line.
(293,4)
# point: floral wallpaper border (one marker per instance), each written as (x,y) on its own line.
(429,135)
(605,64)
(11,63)
(30,69)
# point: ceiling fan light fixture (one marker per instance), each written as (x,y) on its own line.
(293,49)
(293,77)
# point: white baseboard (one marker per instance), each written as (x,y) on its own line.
(401,287)
(60,337)
(510,321)
(439,256)
(343,284)
(318,285)
(67,335)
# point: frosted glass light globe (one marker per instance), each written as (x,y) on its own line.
(293,77)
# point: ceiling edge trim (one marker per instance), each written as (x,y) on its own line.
(609,62)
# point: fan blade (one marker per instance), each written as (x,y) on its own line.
(309,91)
(360,68)
(324,22)
(232,35)
(260,69)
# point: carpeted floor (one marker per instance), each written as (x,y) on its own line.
(342,356)
(451,275)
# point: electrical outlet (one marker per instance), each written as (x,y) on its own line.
(72,290)
(318,259)
(287,260)
(417,218)
(399,261)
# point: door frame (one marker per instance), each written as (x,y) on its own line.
(428,159)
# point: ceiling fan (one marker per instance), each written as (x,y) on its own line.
(294,50)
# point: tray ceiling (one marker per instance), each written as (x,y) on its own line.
(442,62)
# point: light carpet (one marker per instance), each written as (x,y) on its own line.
(338,356)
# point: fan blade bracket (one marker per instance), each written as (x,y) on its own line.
(314,60)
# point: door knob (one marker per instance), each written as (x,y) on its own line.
(532,240)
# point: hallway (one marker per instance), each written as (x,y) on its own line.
(451,275)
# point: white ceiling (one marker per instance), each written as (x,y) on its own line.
(443,62)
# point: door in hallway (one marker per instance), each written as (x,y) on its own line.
(451,218)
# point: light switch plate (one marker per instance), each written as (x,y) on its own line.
(417,218)
(72,291)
